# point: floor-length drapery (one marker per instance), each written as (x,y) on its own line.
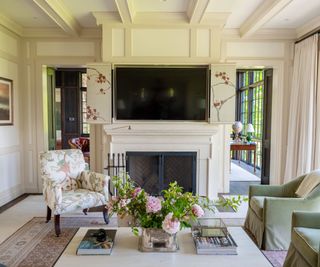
(304,118)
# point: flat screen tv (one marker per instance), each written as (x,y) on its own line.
(161,93)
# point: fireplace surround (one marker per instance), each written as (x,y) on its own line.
(208,141)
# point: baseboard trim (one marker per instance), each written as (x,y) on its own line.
(15,201)
(10,194)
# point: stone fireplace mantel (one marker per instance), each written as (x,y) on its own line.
(208,140)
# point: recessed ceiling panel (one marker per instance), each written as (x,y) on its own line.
(240,10)
(161,5)
(82,10)
(25,13)
(295,14)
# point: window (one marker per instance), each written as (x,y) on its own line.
(85,127)
(250,92)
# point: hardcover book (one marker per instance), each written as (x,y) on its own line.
(215,245)
(97,242)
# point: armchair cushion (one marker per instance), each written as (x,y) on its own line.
(309,183)
(79,199)
(94,181)
(306,241)
(69,184)
(256,204)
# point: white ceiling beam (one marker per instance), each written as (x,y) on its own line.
(196,10)
(126,10)
(11,25)
(58,12)
(307,28)
(265,12)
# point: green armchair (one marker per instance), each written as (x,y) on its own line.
(270,210)
(304,250)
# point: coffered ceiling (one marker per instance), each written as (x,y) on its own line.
(73,17)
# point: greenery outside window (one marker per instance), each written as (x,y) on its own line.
(250,92)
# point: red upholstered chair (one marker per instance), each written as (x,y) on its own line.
(82,143)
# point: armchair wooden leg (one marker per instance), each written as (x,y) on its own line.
(48,214)
(105,215)
(57,225)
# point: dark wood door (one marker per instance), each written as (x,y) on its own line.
(266,137)
(69,82)
(51,108)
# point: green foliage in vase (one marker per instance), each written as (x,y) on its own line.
(171,211)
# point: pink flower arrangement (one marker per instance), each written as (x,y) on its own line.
(197,210)
(171,212)
(136,192)
(124,202)
(170,225)
(153,204)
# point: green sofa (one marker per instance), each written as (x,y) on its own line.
(270,210)
(304,250)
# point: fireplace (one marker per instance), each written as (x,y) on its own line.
(208,143)
(153,171)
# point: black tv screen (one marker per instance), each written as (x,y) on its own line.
(161,93)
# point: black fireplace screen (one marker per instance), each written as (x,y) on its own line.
(153,171)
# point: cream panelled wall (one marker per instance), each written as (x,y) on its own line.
(160,44)
(11,142)
(203,44)
(23,59)
(40,53)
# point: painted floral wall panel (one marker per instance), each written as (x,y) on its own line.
(223,93)
(99,93)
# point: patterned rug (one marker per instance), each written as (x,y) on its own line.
(35,243)
(276,258)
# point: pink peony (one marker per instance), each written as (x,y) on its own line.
(170,225)
(136,192)
(124,202)
(197,210)
(153,204)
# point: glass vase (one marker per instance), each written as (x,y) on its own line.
(157,240)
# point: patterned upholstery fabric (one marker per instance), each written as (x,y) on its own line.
(67,185)
(79,199)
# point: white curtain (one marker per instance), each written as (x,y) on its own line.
(303,143)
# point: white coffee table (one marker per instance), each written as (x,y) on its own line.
(125,253)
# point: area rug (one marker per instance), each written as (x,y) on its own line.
(35,243)
(275,257)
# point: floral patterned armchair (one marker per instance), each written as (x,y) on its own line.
(68,186)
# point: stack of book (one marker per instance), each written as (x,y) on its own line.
(210,236)
(97,242)
(215,245)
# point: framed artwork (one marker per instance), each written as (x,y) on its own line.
(223,93)
(6,102)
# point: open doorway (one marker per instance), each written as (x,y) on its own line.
(250,155)
(67,98)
